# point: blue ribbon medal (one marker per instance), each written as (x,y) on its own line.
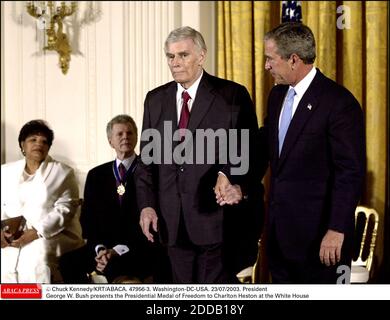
(121,184)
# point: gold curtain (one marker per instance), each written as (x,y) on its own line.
(354,56)
(241,25)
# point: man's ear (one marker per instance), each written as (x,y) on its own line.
(294,59)
(202,57)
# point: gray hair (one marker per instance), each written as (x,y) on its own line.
(122,118)
(294,37)
(183,33)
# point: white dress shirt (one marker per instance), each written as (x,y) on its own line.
(191,91)
(300,90)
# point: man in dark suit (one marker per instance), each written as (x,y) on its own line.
(316,143)
(185,197)
(109,217)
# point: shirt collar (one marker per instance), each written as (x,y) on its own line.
(302,85)
(191,90)
(126,162)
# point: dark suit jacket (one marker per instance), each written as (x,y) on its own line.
(317,180)
(105,221)
(170,188)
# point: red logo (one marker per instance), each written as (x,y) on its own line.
(21,291)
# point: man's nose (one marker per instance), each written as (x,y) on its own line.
(176,62)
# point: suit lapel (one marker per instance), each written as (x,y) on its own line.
(169,110)
(305,109)
(203,101)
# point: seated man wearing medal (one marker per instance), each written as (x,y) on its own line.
(116,246)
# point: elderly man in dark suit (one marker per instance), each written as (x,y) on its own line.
(316,140)
(184,199)
(109,217)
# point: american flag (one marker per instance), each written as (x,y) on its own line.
(291,11)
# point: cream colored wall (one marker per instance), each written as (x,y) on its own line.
(117,58)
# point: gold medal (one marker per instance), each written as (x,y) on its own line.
(121,189)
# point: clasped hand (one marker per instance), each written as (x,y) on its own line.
(225,192)
(103,257)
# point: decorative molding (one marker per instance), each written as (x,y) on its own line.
(145,66)
(91,98)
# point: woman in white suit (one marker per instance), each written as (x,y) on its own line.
(43,191)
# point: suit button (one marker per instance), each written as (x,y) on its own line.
(181,169)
